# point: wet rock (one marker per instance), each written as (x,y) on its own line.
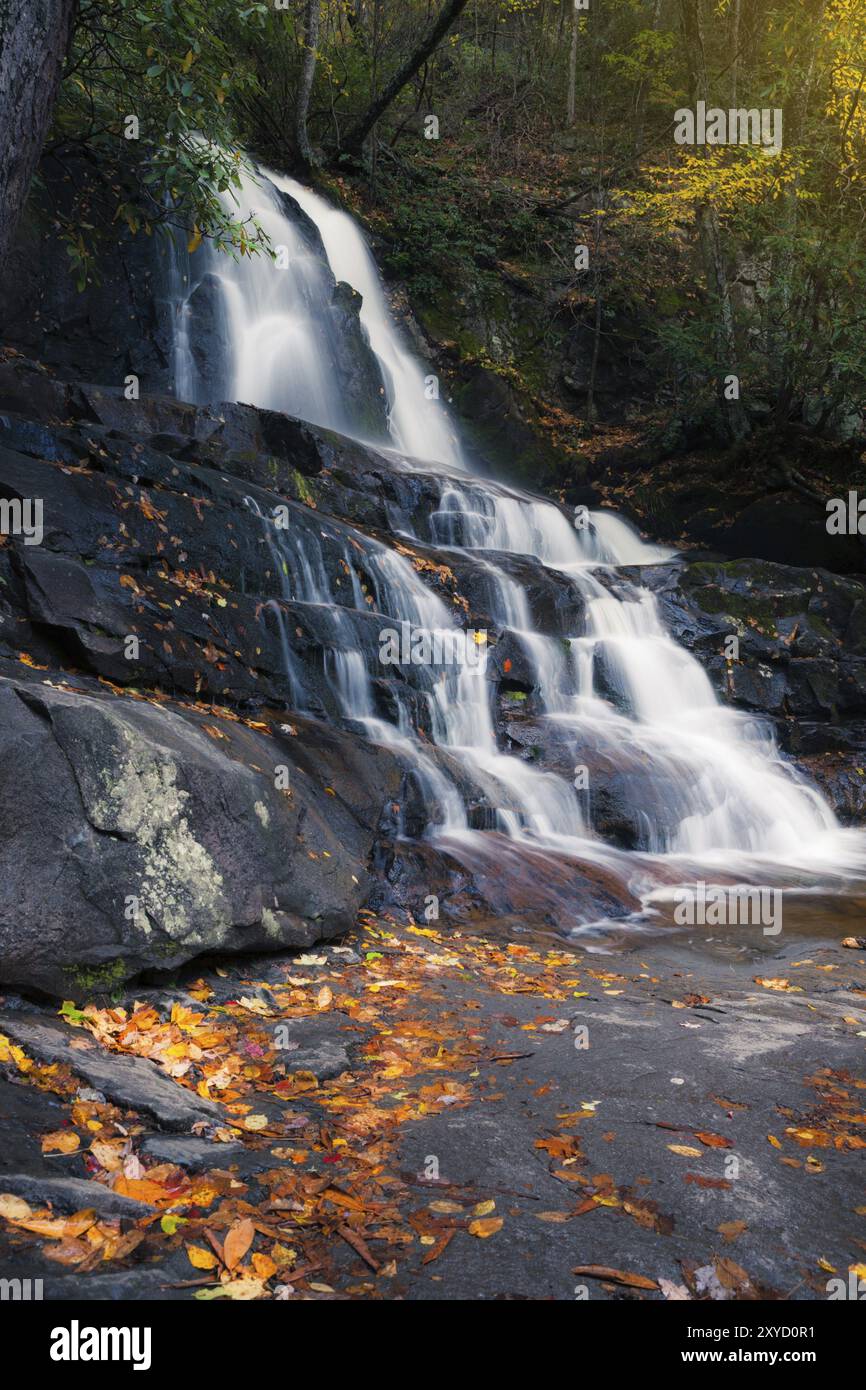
(72,1194)
(172,836)
(842,779)
(519,887)
(799,644)
(132,1082)
(197,1155)
(26,1114)
(313,1048)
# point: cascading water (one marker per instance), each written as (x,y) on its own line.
(419,424)
(282,338)
(716,795)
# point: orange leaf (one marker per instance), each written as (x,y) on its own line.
(62,1141)
(713,1141)
(237,1242)
(615,1276)
(486,1227)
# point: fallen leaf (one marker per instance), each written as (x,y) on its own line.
(732,1229)
(241,1290)
(674,1292)
(713,1141)
(201,1259)
(237,1242)
(62,1141)
(14,1208)
(486,1227)
(616,1276)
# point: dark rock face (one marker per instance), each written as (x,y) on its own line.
(142,838)
(178,775)
(684,486)
(800,639)
(120,324)
(123,321)
(143,820)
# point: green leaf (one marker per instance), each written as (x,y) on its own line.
(69,1011)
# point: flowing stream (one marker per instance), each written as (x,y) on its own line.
(713,796)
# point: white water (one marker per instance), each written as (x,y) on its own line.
(420,427)
(282,347)
(713,790)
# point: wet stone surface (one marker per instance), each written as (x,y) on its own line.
(687,1113)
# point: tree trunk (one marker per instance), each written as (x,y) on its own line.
(643,89)
(735,45)
(572,69)
(34,41)
(782,335)
(435,34)
(308,72)
(710,238)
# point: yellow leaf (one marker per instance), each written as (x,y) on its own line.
(201,1259)
(484,1208)
(486,1228)
(188,61)
(241,1290)
(195,240)
(62,1141)
(685,1150)
(14,1208)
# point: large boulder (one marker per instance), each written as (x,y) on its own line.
(135,836)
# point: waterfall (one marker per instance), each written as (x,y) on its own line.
(420,426)
(715,795)
(284,347)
